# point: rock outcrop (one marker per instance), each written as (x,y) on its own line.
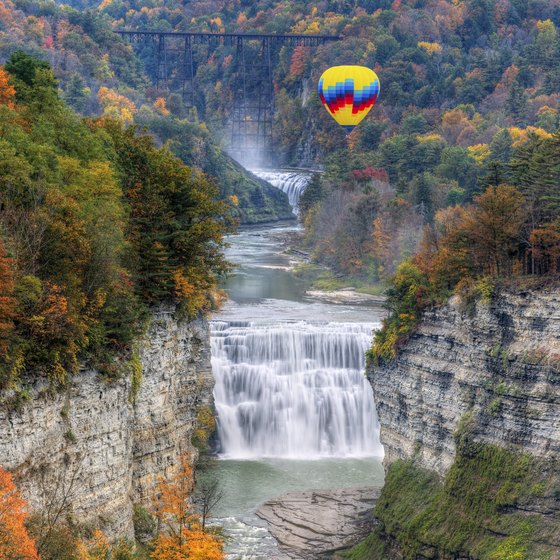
(91,445)
(499,362)
(316,524)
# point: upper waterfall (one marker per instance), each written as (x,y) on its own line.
(293,183)
(293,389)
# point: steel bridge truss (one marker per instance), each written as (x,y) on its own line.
(252,114)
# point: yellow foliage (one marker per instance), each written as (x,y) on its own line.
(479,152)
(430,137)
(546,26)
(234,199)
(430,48)
(313,27)
(521,135)
(116,105)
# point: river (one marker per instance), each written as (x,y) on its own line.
(294,410)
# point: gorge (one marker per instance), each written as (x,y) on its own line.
(294,410)
(475,386)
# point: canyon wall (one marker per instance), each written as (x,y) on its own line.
(102,445)
(500,362)
(470,422)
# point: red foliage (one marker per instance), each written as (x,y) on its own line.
(7,301)
(297,66)
(370,174)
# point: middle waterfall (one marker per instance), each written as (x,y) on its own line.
(293,183)
(293,390)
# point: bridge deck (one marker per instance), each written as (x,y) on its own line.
(230,38)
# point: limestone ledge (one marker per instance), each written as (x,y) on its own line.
(315,524)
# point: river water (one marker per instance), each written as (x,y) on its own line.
(294,410)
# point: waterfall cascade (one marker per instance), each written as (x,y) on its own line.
(293,390)
(293,183)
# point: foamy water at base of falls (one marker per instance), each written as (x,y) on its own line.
(294,409)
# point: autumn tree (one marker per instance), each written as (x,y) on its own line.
(15,542)
(494,226)
(7,90)
(182,536)
(116,105)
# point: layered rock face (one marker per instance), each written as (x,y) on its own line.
(93,448)
(500,363)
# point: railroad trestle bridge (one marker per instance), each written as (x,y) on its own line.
(178,55)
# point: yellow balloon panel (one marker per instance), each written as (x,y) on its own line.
(348,93)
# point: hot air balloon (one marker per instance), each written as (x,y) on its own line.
(348,93)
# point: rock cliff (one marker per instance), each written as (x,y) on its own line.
(92,447)
(469,414)
(500,362)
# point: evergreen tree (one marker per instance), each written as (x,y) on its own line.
(422,188)
(517,104)
(76,94)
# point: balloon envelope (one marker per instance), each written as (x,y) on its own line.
(348,93)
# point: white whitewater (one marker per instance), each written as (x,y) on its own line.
(293,390)
(293,183)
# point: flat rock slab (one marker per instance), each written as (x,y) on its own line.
(316,523)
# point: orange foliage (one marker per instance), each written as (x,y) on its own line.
(480,238)
(7,90)
(161,107)
(184,538)
(15,543)
(196,545)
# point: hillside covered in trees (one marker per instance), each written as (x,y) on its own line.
(466,87)
(450,186)
(97,73)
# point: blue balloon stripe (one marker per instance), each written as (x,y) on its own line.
(335,93)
